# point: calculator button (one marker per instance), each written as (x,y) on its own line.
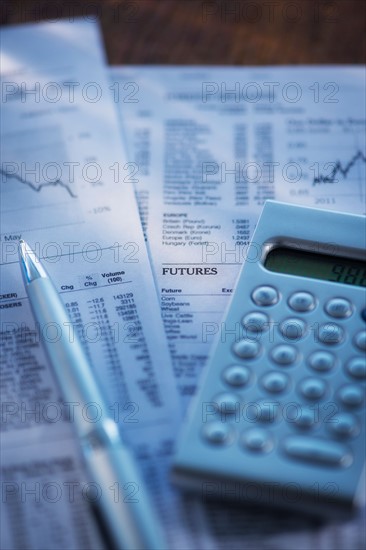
(258,440)
(357,368)
(275,382)
(293,329)
(304,418)
(284,354)
(246,349)
(218,433)
(302,301)
(351,395)
(265,296)
(256,321)
(339,308)
(320,451)
(360,340)
(312,388)
(267,411)
(237,375)
(322,361)
(330,334)
(227,403)
(344,424)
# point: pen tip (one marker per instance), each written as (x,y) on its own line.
(23,248)
(22,244)
(31,267)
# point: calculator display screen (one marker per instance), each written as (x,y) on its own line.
(317,266)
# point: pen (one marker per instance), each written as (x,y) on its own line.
(131,521)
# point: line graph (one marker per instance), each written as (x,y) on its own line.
(329,154)
(34,180)
(339,169)
(38,187)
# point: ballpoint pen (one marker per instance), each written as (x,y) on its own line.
(131,523)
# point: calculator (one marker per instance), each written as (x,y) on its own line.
(279,418)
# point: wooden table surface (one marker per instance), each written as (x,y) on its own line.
(238,32)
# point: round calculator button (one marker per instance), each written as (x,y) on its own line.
(330,334)
(218,433)
(344,425)
(356,368)
(312,388)
(340,308)
(322,361)
(284,354)
(305,418)
(265,296)
(256,321)
(267,411)
(293,329)
(301,301)
(246,349)
(227,403)
(351,395)
(360,340)
(275,382)
(257,440)
(237,375)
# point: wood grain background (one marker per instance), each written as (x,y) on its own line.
(239,32)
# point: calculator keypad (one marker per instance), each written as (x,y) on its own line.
(286,355)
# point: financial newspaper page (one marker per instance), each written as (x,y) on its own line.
(211,145)
(66,189)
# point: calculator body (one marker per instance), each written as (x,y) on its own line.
(279,418)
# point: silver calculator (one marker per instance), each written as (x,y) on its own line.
(279,418)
